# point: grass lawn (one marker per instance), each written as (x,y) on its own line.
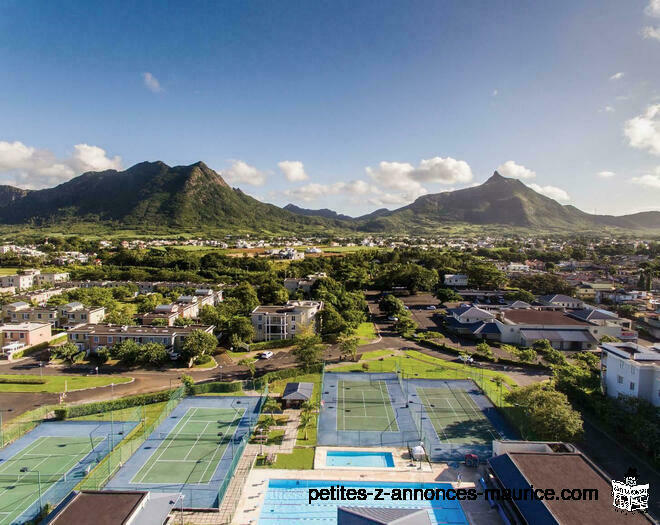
(299,459)
(280,420)
(8,271)
(376,354)
(207,364)
(366,332)
(275,437)
(57,383)
(277,387)
(151,413)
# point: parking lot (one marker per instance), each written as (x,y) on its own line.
(418,305)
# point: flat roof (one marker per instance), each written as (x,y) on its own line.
(100,508)
(103,328)
(559,471)
(541,317)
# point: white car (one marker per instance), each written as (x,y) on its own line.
(266,355)
(431,307)
(393,318)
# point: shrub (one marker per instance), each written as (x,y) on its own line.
(19,380)
(69,412)
(217,388)
(188,383)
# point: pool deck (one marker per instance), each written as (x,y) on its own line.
(400,462)
(254,492)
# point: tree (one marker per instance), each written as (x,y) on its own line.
(127,351)
(120,316)
(520,295)
(242,328)
(549,413)
(153,354)
(67,352)
(271,406)
(331,322)
(484,349)
(102,355)
(197,344)
(445,295)
(249,363)
(307,347)
(405,325)
(183,321)
(188,384)
(390,305)
(348,345)
(246,297)
(306,419)
(273,292)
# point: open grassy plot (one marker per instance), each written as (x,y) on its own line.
(37,468)
(366,332)
(455,416)
(364,405)
(56,383)
(8,271)
(191,451)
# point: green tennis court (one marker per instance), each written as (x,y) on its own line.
(37,468)
(455,416)
(191,451)
(364,405)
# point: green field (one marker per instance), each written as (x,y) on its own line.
(366,332)
(52,457)
(455,416)
(364,405)
(190,453)
(56,384)
(8,271)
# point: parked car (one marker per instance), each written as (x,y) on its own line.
(266,355)
(393,318)
(431,307)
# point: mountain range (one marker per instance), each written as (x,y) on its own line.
(153,196)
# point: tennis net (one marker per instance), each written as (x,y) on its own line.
(220,437)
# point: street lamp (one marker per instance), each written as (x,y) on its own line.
(25,470)
(41,369)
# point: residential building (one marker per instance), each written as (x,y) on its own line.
(19,281)
(523,466)
(560,300)
(629,369)
(89,337)
(41,297)
(169,313)
(593,292)
(208,297)
(21,311)
(515,267)
(51,278)
(283,322)
(457,280)
(293,284)
(72,314)
(188,306)
(15,336)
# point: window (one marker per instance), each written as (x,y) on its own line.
(632,370)
(259,318)
(621,364)
(619,379)
(632,386)
(293,317)
(22,335)
(260,327)
(38,316)
(109,339)
(96,339)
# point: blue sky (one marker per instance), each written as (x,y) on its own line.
(349,105)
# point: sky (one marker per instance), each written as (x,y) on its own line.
(348,105)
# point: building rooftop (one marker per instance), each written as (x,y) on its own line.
(109,329)
(100,508)
(29,326)
(550,470)
(298,391)
(633,351)
(540,317)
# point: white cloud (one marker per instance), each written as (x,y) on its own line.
(643,131)
(517,171)
(617,76)
(442,171)
(151,82)
(313,191)
(651,32)
(653,9)
(551,191)
(608,109)
(495,92)
(293,170)
(606,174)
(649,180)
(242,173)
(33,168)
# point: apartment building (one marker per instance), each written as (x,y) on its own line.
(283,322)
(20,311)
(89,337)
(75,313)
(32,277)
(15,336)
(293,284)
(50,278)
(169,313)
(17,281)
(629,369)
(458,280)
(208,297)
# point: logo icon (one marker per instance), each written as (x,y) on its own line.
(628,495)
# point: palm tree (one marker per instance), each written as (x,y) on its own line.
(271,406)
(305,419)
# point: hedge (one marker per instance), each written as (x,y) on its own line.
(72,411)
(217,388)
(275,343)
(18,380)
(31,350)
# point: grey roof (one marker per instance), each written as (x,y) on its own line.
(382,516)
(558,298)
(590,314)
(574,336)
(18,304)
(298,391)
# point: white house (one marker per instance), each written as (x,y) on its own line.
(457,279)
(629,369)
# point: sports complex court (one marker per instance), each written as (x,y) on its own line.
(192,450)
(51,460)
(452,418)
(360,409)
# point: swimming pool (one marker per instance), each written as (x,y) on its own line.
(352,458)
(287,502)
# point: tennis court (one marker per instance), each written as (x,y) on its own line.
(364,405)
(45,464)
(455,416)
(191,451)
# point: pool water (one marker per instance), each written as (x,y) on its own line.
(287,502)
(349,458)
